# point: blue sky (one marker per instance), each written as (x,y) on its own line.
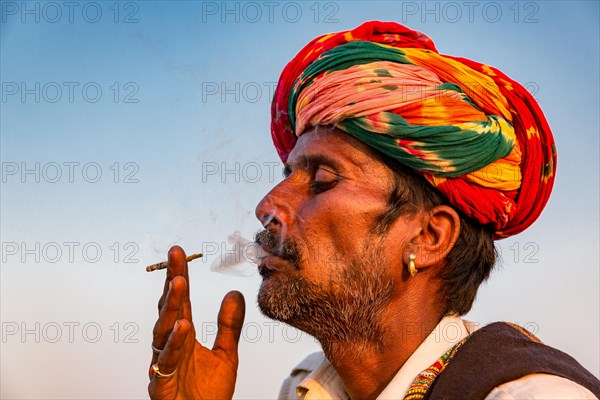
(146,124)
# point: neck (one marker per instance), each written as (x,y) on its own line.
(366,368)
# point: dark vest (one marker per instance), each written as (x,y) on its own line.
(500,353)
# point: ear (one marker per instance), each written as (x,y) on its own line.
(439,231)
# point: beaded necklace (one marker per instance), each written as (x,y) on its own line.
(424,380)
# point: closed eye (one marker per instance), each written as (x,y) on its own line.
(320,187)
(319,170)
(324,179)
(287,171)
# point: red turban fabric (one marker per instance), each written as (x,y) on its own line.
(475,134)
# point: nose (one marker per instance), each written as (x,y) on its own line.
(275,210)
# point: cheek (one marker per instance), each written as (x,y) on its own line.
(340,222)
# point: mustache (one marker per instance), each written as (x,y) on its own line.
(286,248)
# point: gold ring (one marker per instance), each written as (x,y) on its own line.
(155,372)
(154,349)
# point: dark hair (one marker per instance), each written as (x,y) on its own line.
(471,260)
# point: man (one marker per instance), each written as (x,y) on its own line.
(402,166)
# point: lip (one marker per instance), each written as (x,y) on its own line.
(272,263)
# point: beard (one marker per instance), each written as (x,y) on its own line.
(342,309)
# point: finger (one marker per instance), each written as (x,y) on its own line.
(230,322)
(162,387)
(169,313)
(176,266)
(169,357)
(176,263)
(180,268)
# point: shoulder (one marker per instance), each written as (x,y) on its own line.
(540,386)
(299,373)
(504,361)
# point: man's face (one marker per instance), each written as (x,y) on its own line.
(327,273)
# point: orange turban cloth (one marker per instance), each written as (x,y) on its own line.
(475,134)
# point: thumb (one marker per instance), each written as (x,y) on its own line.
(230,322)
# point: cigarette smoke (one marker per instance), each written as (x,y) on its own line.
(242,260)
(245,257)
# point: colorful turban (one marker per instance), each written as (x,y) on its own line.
(475,134)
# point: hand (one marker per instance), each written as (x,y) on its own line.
(199,372)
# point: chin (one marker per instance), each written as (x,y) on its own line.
(280,297)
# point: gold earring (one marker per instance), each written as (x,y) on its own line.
(411,264)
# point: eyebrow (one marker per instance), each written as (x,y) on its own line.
(309,161)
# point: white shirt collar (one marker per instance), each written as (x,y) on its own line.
(322,382)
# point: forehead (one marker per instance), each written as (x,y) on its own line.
(330,143)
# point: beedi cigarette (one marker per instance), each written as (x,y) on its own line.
(164,264)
